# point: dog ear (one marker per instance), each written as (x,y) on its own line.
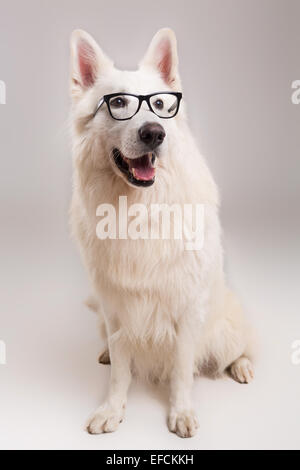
(87,62)
(162,55)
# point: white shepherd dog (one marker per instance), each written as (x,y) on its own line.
(168,313)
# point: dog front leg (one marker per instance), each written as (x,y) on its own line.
(108,416)
(182,419)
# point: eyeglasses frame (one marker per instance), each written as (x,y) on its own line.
(141,98)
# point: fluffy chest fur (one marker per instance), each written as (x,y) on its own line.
(148,284)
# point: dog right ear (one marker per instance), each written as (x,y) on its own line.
(87,62)
(162,56)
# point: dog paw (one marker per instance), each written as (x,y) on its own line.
(242,370)
(183,423)
(105,419)
(104,357)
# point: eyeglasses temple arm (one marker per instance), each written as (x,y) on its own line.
(99,106)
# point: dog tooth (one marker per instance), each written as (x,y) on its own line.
(134,174)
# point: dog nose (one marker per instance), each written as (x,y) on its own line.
(152,134)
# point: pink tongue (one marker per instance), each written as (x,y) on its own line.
(144,174)
(142,169)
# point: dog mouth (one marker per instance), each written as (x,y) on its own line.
(139,171)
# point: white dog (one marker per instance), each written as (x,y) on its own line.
(168,313)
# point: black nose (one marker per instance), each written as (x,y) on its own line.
(152,134)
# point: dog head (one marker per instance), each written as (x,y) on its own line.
(122,116)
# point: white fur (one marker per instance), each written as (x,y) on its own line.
(167,311)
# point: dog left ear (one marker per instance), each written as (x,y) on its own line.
(87,62)
(162,55)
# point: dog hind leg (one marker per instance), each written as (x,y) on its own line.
(230,345)
(241,370)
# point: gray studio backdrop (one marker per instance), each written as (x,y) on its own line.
(238,59)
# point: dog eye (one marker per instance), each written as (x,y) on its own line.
(118,102)
(159,104)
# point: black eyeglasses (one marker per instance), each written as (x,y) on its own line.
(123,106)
